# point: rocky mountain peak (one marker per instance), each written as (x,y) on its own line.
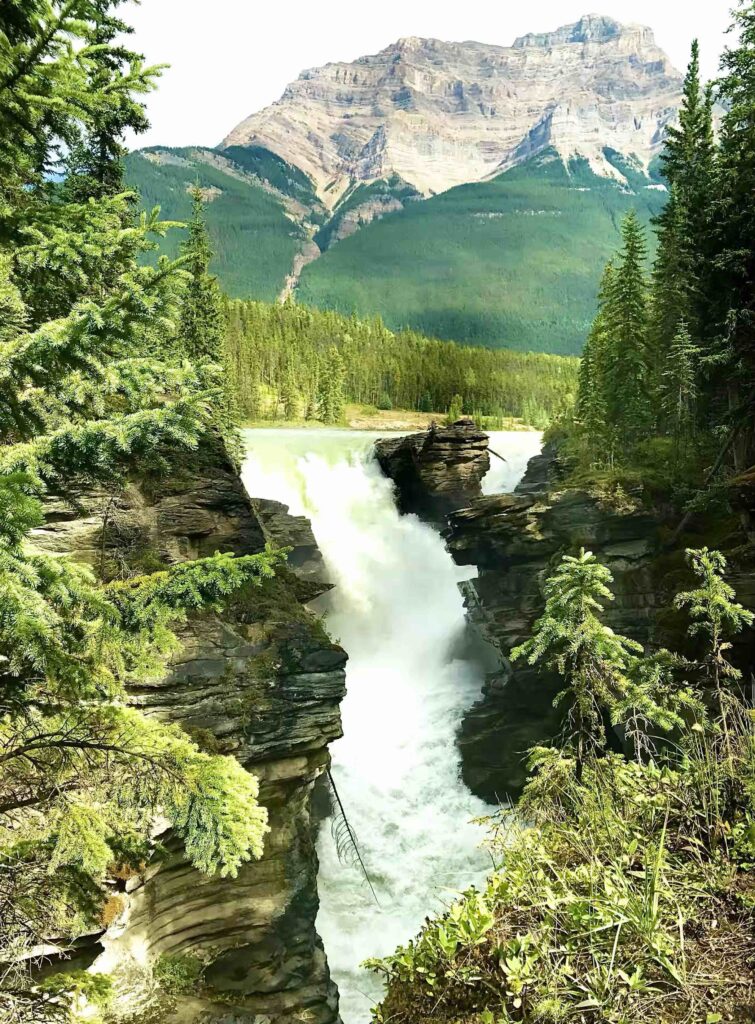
(591,28)
(440,114)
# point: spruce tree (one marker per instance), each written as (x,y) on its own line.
(678,388)
(625,311)
(678,292)
(605,675)
(716,616)
(202,326)
(331,387)
(89,396)
(731,361)
(591,402)
(290,394)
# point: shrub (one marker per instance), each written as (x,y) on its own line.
(178,973)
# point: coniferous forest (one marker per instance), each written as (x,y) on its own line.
(295,355)
(622,885)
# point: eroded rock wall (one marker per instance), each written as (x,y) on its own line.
(515,540)
(438,470)
(263,682)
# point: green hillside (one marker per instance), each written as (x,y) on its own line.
(511,262)
(254,240)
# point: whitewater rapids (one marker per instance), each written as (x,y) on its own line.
(397,610)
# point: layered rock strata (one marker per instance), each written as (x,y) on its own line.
(261,681)
(441,114)
(515,540)
(438,470)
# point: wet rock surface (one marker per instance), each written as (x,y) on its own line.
(263,682)
(438,470)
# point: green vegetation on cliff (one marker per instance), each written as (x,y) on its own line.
(93,391)
(623,888)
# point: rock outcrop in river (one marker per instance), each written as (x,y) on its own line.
(436,471)
(261,681)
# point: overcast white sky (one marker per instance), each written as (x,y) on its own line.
(229,58)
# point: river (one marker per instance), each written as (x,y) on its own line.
(411,674)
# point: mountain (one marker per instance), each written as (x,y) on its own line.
(467,190)
(442,114)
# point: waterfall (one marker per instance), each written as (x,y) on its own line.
(397,611)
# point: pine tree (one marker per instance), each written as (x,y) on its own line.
(290,394)
(603,671)
(678,388)
(716,616)
(731,361)
(331,387)
(678,293)
(592,403)
(625,312)
(115,74)
(202,326)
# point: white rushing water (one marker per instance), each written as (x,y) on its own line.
(397,610)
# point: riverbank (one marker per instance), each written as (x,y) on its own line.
(365,417)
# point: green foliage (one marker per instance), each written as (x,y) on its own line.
(602,670)
(614,891)
(178,973)
(331,378)
(202,325)
(284,350)
(254,240)
(455,409)
(92,390)
(680,365)
(511,262)
(678,387)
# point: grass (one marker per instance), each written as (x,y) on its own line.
(513,262)
(625,899)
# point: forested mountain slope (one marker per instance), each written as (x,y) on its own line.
(509,263)
(467,190)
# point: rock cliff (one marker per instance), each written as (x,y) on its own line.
(514,540)
(436,471)
(441,114)
(261,681)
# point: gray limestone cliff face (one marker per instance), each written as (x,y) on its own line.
(436,471)
(440,114)
(515,540)
(261,681)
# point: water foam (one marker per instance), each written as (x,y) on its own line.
(397,610)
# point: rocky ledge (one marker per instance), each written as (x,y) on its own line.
(515,540)
(436,471)
(262,682)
